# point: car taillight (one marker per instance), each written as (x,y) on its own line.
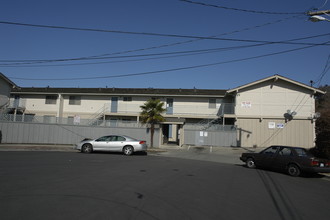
(327,164)
(142,142)
(315,163)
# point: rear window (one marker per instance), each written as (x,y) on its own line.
(302,152)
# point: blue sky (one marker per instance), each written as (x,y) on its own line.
(162,60)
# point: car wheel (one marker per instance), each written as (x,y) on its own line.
(128,150)
(87,148)
(250,163)
(293,170)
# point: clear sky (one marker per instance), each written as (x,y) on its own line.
(154,43)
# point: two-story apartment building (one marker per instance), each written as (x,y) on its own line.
(108,106)
(274,110)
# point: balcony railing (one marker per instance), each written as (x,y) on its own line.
(67,121)
(178,109)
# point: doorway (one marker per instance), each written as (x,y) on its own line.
(170,134)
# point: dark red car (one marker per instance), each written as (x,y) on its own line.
(293,160)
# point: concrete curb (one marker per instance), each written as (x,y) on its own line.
(48,147)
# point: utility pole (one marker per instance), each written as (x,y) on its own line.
(315,16)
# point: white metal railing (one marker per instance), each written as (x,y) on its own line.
(179,109)
(67,121)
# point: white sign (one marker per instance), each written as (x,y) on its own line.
(271,125)
(203,133)
(76,119)
(246,104)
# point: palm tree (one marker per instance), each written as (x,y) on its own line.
(152,114)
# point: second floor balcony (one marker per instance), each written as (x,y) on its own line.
(177,110)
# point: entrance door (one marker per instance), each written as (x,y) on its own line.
(169,106)
(114,104)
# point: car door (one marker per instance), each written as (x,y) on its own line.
(267,157)
(116,143)
(102,143)
(284,156)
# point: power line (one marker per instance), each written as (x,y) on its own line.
(137,55)
(14,63)
(325,71)
(242,10)
(159,56)
(170,70)
(188,41)
(150,34)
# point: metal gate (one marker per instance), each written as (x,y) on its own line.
(222,138)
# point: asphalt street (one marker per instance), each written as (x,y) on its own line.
(72,185)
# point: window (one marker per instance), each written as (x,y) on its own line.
(119,138)
(285,152)
(127,99)
(302,152)
(105,138)
(51,100)
(270,151)
(212,103)
(74,100)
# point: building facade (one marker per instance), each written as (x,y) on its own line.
(274,110)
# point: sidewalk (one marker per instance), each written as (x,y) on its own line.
(36,147)
(54,147)
(228,155)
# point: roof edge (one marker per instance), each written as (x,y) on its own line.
(276,77)
(7,80)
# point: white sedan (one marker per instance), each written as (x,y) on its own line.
(115,143)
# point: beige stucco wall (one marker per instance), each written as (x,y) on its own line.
(263,133)
(90,105)
(36,104)
(191,106)
(260,113)
(274,99)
